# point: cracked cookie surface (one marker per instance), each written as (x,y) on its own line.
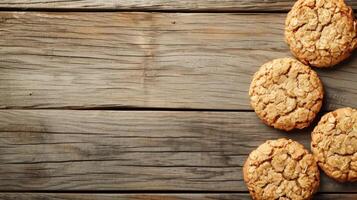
(321,33)
(334,144)
(286,94)
(281,169)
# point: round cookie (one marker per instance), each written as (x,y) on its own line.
(281,169)
(286,94)
(321,33)
(334,144)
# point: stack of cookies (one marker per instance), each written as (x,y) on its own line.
(287,94)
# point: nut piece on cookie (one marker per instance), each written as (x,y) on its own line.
(334,144)
(286,94)
(281,169)
(321,33)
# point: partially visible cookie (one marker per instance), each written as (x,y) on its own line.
(281,169)
(286,94)
(321,33)
(334,144)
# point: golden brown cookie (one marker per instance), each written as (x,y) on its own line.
(286,94)
(321,33)
(334,144)
(281,169)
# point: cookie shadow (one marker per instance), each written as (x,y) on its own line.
(349,62)
(338,82)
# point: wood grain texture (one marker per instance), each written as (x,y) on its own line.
(156,60)
(132,150)
(219,196)
(186,5)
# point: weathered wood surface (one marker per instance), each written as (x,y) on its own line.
(155,60)
(187,5)
(132,150)
(220,196)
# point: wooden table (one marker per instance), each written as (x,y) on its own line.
(141,100)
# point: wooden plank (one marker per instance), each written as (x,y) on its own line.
(156,60)
(126,150)
(219,196)
(186,5)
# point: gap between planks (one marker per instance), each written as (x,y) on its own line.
(150,196)
(133,109)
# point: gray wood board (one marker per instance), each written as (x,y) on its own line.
(149,5)
(146,60)
(133,150)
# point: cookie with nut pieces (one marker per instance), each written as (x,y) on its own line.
(334,144)
(281,169)
(321,33)
(286,94)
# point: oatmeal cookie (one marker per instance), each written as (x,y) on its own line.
(334,144)
(321,33)
(286,94)
(281,169)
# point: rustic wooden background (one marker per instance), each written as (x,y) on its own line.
(141,100)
